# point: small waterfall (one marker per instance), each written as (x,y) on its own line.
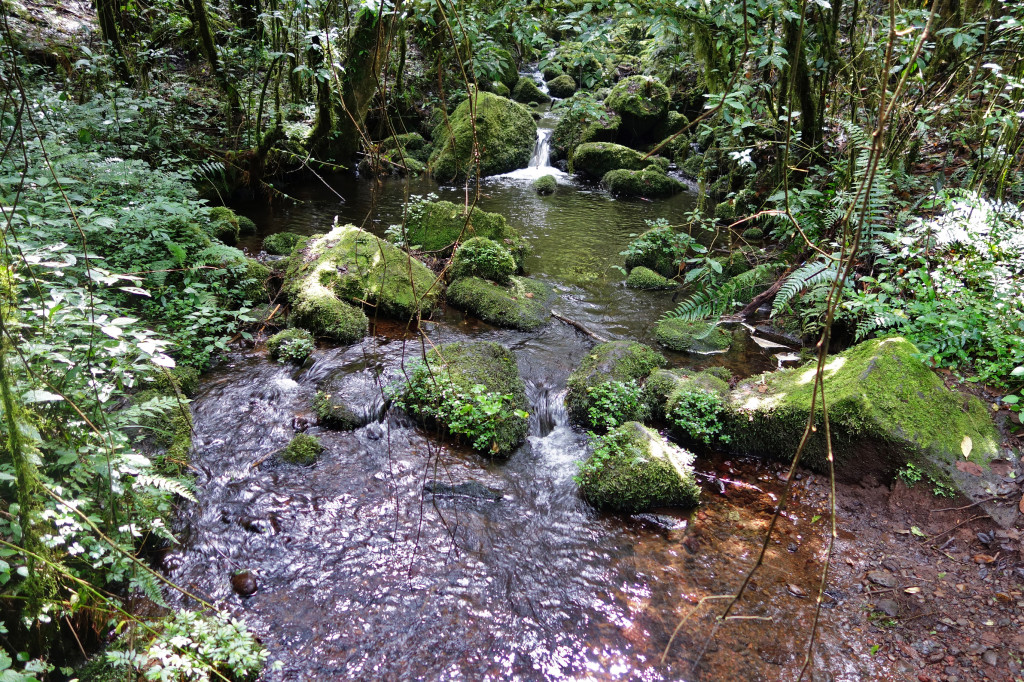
(540,161)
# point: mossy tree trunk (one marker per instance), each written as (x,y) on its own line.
(106,13)
(201,21)
(797,90)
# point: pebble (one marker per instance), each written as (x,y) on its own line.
(991,658)
(883,578)
(888,606)
(244,583)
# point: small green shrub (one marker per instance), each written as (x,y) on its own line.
(291,345)
(485,258)
(303,449)
(910,474)
(615,402)
(697,414)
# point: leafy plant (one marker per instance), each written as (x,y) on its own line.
(615,402)
(697,414)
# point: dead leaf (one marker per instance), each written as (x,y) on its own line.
(528,295)
(762,388)
(966,445)
(796,590)
(983,559)
(912,590)
(1021,505)
(970,468)
(1001,467)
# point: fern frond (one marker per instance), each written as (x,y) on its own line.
(879,320)
(166,484)
(714,301)
(811,274)
(145,582)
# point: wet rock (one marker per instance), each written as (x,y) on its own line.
(888,606)
(502,133)
(468,489)
(524,303)
(244,583)
(621,361)
(347,400)
(696,337)
(883,578)
(990,658)
(663,521)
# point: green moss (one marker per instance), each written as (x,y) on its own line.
(545,184)
(500,89)
(526,91)
(321,312)
(412,144)
(725,212)
(722,373)
(303,450)
(645,278)
(333,411)
(561,87)
(253,284)
(583,119)
(623,361)
(697,337)
(633,469)
(661,249)
(753,234)
(223,224)
(596,159)
(170,433)
(665,387)
(245,225)
(509,74)
(524,304)
(281,243)
(183,380)
(551,72)
(886,408)
(650,182)
(505,131)
(353,265)
(293,344)
(641,101)
(444,386)
(437,226)
(485,258)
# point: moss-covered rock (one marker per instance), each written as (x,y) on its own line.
(622,361)
(455,388)
(393,162)
(725,212)
(695,337)
(353,265)
(412,144)
(484,258)
(753,234)
(596,159)
(348,400)
(641,101)
(303,449)
(291,345)
(665,387)
(509,75)
(246,278)
(526,91)
(524,304)
(280,243)
(500,89)
(245,225)
(645,278)
(720,372)
(223,225)
(661,249)
(886,408)
(505,131)
(320,311)
(181,380)
(438,225)
(584,119)
(633,469)
(562,86)
(545,184)
(551,72)
(650,182)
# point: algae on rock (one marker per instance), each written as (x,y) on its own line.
(524,303)
(303,450)
(505,131)
(474,391)
(633,469)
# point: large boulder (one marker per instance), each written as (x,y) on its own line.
(641,101)
(584,119)
(692,337)
(596,159)
(437,226)
(651,182)
(351,265)
(633,469)
(562,86)
(523,303)
(623,362)
(886,409)
(349,399)
(505,131)
(474,391)
(527,91)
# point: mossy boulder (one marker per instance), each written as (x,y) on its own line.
(523,304)
(182,380)
(438,225)
(661,249)
(551,72)
(393,162)
(456,388)
(223,225)
(291,345)
(622,361)
(665,387)
(633,469)
(527,91)
(484,258)
(694,337)
(641,101)
(303,450)
(645,278)
(652,182)
(509,75)
(348,400)
(320,311)
(352,265)
(280,243)
(413,145)
(584,119)
(753,234)
(561,87)
(886,408)
(246,278)
(545,184)
(505,131)
(500,89)
(596,159)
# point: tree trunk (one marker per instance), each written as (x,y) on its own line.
(111,32)
(201,21)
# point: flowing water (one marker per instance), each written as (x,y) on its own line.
(398,556)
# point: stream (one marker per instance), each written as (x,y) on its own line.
(379,563)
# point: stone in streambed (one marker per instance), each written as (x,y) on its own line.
(695,337)
(244,583)
(348,400)
(439,226)
(620,361)
(524,303)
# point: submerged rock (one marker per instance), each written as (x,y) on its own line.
(348,400)
(633,469)
(524,303)
(621,361)
(886,408)
(505,132)
(438,226)
(472,390)
(351,265)
(695,337)
(472,490)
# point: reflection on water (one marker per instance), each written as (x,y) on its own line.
(363,575)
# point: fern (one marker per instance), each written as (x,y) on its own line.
(715,300)
(811,274)
(168,485)
(146,582)
(882,319)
